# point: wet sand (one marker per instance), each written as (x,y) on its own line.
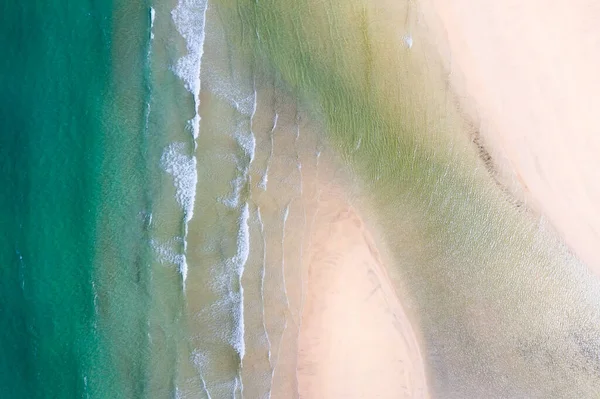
(527,73)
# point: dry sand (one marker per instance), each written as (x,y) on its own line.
(355,339)
(527,73)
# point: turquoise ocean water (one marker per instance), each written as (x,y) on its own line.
(74,257)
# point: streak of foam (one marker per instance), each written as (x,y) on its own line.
(242,101)
(247,142)
(286,213)
(262,284)
(166,253)
(231,302)
(408,41)
(235,265)
(189,17)
(85,386)
(96,308)
(238,384)
(265,176)
(250,146)
(302,282)
(285,323)
(148,56)
(238,263)
(298,162)
(262,299)
(233,200)
(152,16)
(183,169)
(199,360)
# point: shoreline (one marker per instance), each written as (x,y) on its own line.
(482,277)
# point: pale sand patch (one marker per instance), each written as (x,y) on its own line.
(355,339)
(527,72)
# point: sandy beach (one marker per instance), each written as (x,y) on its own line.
(355,338)
(526,73)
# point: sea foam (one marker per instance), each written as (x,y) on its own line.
(182,168)
(236,264)
(265,177)
(239,262)
(231,281)
(189,17)
(152,16)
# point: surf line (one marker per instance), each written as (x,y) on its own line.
(189,17)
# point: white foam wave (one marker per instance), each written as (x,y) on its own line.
(193,125)
(189,17)
(264,180)
(182,168)
(247,142)
(183,269)
(408,40)
(286,213)
(226,89)
(200,361)
(148,56)
(234,199)
(275,119)
(262,283)
(265,177)
(237,263)
(167,254)
(96,308)
(239,385)
(152,16)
